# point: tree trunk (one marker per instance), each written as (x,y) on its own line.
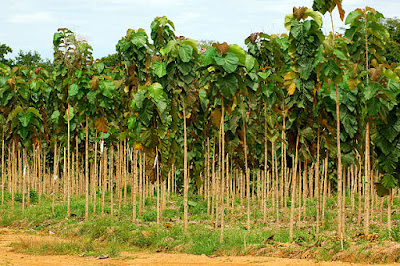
(185,172)
(87,171)
(111,180)
(317,181)
(223,172)
(389,212)
(294,184)
(367,183)
(339,166)
(55,176)
(68,168)
(246,168)
(2,169)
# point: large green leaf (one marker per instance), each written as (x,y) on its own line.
(227,85)
(73,89)
(207,58)
(158,96)
(139,98)
(25,118)
(352,16)
(71,114)
(389,181)
(139,39)
(132,122)
(92,96)
(159,68)
(34,111)
(297,29)
(315,15)
(57,38)
(185,68)
(192,43)
(107,88)
(185,53)
(99,66)
(239,52)
(172,48)
(228,61)
(55,116)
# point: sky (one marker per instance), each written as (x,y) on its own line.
(29,25)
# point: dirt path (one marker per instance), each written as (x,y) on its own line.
(9,257)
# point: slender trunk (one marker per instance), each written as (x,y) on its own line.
(207,176)
(2,169)
(87,170)
(185,172)
(141,184)
(112,180)
(317,180)
(294,183)
(339,167)
(24,161)
(325,189)
(367,183)
(135,182)
(94,190)
(55,176)
(359,209)
(213,187)
(104,183)
(352,187)
(158,187)
(305,189)
(13,176)
(68,167)
(246,167)
(223,172)
(389,212)
(265,164)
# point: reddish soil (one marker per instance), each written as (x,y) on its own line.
(10,257)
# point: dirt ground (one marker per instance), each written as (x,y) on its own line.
(9,257)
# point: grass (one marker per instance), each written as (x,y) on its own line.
(109,235)
(72,247)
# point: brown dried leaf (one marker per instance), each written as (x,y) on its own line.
(101,124)
(216,117)
(253,37)
(94,83)
(298,13)
(340,9)
(374,74)
(222,48)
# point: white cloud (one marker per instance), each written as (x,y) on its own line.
(37,17)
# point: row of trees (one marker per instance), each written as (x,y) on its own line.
(290,100)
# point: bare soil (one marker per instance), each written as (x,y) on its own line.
(9,257)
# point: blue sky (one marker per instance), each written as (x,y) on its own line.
(30,24)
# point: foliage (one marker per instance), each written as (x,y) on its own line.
(4,49)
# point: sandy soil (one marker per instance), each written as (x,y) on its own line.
(9,257)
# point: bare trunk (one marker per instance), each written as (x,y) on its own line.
(293,196)
(367,183)
(389,212)
(2,169)
(68,167)
(246,168)
(317,181)
(223,172)
(185,172)
(135,182)
(87,171)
